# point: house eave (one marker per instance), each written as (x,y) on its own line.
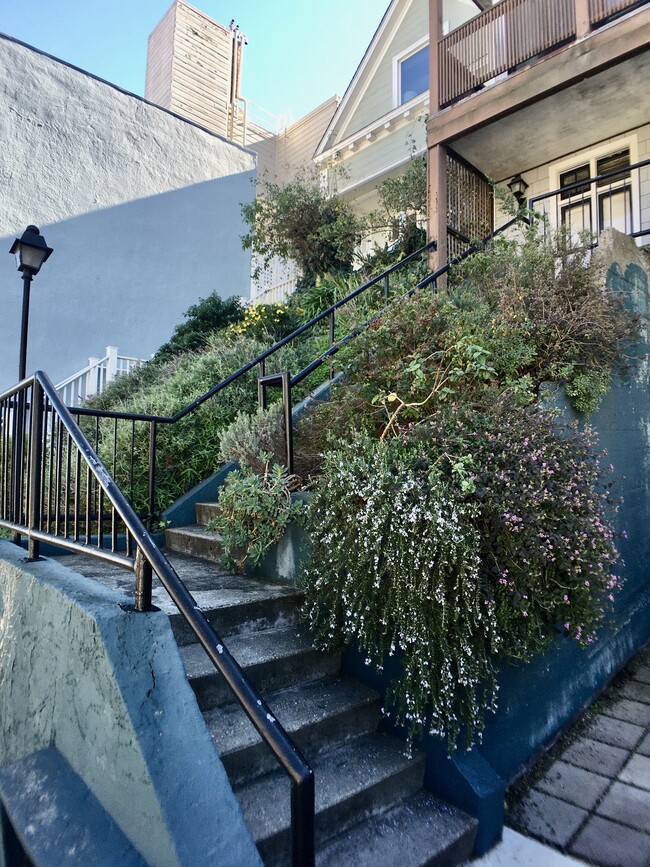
(386,123)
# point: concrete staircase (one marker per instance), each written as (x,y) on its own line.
(371,807)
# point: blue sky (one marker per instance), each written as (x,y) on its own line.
(299,52)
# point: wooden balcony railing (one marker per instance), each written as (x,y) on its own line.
(500,39)
(601,10)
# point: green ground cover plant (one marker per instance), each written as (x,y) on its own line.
(188,450)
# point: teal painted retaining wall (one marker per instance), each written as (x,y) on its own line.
(105,686)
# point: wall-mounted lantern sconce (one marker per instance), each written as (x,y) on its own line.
(518,187)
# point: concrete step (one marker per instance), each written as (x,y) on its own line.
(195,541)
(206,512)
(317,716)
(420,832)
(360,779)
(272,659)
(235,610)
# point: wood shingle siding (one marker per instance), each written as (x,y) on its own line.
(189,67)
(160,56)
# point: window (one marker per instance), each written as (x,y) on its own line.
(605,204)
(413,72)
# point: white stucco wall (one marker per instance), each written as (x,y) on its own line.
(141,207)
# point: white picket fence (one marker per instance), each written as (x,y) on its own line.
(95,376)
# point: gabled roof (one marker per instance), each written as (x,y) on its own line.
(375,52)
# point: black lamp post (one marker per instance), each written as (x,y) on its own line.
(31,251)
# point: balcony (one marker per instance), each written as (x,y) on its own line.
(511,34)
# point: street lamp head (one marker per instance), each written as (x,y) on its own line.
(30,251)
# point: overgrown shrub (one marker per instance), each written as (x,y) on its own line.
(395,567)
(188,450)
(439,417)
(300,221)
(475,534)
(251,438)
(254,510)
(203,318)
(543,315)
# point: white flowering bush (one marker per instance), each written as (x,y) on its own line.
(396,567)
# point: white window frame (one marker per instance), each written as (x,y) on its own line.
(591,156)
(398,59)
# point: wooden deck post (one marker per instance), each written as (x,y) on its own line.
(583,20)
(437,155)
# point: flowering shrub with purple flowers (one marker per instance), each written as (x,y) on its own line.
(544,511)
(460,522)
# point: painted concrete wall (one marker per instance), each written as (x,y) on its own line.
(106,687)
(141,207)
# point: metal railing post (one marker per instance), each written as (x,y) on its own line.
(288,418)
(17,461)
(153,436)
(302,822)
(143,582)
(261,390)
(35,468)
(332,330)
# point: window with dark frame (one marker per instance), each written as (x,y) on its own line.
(613,196)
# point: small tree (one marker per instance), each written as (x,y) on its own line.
(299,221)
(406,193)
(207,315)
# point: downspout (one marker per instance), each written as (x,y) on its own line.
(241,41)
(234,30)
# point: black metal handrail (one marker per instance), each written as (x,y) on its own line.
(261,358)
(154,421)
(283,380)
(54,488)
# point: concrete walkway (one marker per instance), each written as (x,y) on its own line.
(515,850)
(590,796)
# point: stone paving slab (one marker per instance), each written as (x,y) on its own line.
(590,796)
(615,732)
(643,674)
(575,785)
(548,818)
(637,691)
(612,845)
(637,772)
(628,805)
(630,711)
(595,756)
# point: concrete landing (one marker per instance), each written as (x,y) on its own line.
(590,796)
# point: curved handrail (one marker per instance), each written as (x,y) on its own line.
(29,402)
